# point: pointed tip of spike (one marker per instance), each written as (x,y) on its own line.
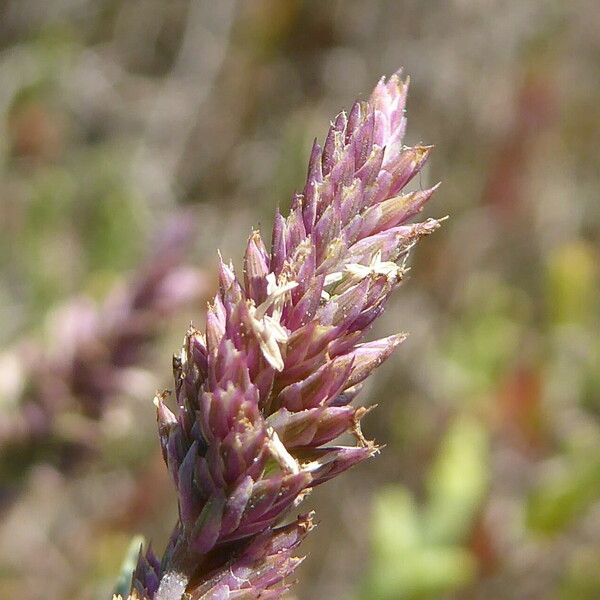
(396,78)
(192,330)
(422,152)
(375,449)
(160,397)
(398,338)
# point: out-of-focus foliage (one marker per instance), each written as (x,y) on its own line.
(115,114)
(480,345)
(419,552)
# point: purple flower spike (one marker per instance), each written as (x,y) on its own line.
(272,379)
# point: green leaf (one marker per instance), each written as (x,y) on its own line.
(123,584)
(457,482)
(565,494)
(571,283)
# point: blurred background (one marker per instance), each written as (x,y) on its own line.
(138,136)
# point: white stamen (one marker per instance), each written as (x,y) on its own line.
(269,334)
(389,269)
(267,328)
(286,461)
(276,296)
(332,278)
